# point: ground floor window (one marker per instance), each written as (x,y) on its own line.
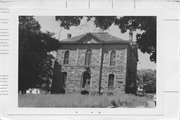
(111,81)
(64,79)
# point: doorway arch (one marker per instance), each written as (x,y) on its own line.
(86,80)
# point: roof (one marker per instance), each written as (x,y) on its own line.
(98,37)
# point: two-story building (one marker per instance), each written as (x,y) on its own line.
(98,62)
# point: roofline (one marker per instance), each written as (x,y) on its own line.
(91,33)
(66,39)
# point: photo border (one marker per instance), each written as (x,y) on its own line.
(13,108)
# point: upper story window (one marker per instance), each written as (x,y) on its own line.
(113,58)
(88,57)
(111,81)
(66,57)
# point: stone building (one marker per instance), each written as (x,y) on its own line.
(98,62)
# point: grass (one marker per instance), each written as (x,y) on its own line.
(81,101)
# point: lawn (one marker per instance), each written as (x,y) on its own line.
(81,101)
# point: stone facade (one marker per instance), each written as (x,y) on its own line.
(124,71)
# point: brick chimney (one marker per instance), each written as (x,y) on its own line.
(131,37)
(68,35)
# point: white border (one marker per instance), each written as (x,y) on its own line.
(13,87)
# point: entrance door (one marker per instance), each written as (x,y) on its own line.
(86,80)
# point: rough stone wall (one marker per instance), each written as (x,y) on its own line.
(119,70)
(76,67)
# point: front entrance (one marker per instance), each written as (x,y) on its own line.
(86,80)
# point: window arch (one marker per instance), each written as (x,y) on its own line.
(64,78)
(113,58)
(66,57)
(86,80)
(111,81)
(88,57)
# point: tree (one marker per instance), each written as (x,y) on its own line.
(35,58)
(147,24)
(147,80)
(58,83)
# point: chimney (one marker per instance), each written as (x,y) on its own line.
(68,35)
(131,37)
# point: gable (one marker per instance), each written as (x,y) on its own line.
(88,39)
(91,40)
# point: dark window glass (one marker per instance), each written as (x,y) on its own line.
(113,58)
(66,57)
(88,57)
(111,81)
(64,78)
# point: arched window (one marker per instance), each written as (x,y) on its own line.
(111,81)
(88,57)
(86,80)
(113,58)
(66,57)
(64,78)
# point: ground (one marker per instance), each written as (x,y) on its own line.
(81,101)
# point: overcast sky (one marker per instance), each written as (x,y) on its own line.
(50,24)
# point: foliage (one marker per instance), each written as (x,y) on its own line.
(57,84)
(46,86)
(35,59)
(147,80)
(147,24)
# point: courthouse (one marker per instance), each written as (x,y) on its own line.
(98,62)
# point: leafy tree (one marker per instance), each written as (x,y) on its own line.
(147,24)
(147,80)
(35,59)
(57,84)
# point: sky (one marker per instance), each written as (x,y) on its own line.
(48,23)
